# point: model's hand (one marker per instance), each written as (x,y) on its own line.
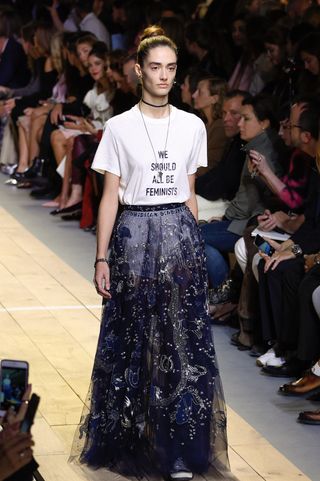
(102,279)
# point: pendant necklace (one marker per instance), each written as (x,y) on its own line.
(148,135)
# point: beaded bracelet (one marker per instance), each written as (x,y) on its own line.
(102,259)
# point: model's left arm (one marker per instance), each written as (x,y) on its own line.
(192,201)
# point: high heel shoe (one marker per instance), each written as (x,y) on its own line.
(36,170)
(18,176)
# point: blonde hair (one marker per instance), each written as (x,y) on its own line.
(56,52)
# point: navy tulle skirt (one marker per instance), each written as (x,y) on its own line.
(155,392)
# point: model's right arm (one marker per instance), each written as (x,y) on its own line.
(106,218)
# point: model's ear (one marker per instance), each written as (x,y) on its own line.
(138,70)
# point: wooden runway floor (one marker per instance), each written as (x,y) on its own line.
(49,315)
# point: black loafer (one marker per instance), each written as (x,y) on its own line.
(309,417)
(289,369)
(71,209)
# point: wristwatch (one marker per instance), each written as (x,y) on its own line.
(296,250)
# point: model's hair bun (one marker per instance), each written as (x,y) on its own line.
(152,37)
(152,31)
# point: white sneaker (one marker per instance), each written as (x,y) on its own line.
(276,362)
(261,361)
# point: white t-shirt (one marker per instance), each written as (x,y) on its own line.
(150,176)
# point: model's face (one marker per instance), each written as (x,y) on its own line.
(311,63)
(238,32)
(231,114)
(202,97)
(158,71)
(250,126)
(274,53)
(186,95)
(96,67)
(83,50)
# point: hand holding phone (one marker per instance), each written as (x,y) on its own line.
(263,245)
(14,381)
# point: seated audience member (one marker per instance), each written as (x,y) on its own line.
(46,73)
(282,85)
(279,279)
(292,189)
(14,71)
(208,99)
(31,124)
(174,28)
(63,16)
(123,98)
(295,324)
(28,45)
(222,181)
(309,383)
(309,52)
(79,82)
(89,22)
(98,101)
(129,73)
(238,36)
(84,46)
(258,128)
(188,87)
(198,44)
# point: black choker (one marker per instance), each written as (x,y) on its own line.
(152,105)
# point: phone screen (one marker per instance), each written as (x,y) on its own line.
(14,380)
(263,245)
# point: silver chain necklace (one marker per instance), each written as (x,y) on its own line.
(148,135)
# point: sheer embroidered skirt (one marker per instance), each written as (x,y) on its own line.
(155,392)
